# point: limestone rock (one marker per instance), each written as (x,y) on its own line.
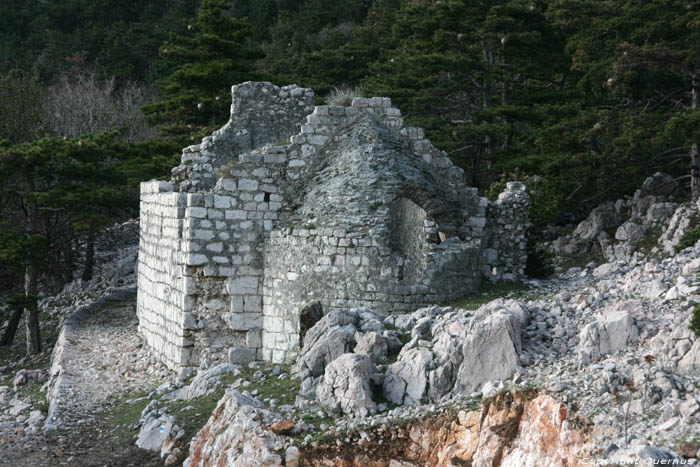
(406,380)
(614,332)
(690,363)
(204,382)
(466,353)
(329,338)
(158,433)
(601,218)
(372,344)
(23,377)
(630,232)
(654,288)
(659,184)
(235,435)
(490,351)
(681,222)
(345,386)
(659,213)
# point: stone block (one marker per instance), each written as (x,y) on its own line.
(196,259)
(243,321)
(237,304)
(241,355)
(236,214)
(243,286)
(245,184)
(196,212)
(253,338)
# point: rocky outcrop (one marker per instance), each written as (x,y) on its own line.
(159,432)
(455,353)
(374,345)
(512,429)
(204,382)
(616,229)
(331,337)
(236,435)
(615,331)
(345,386)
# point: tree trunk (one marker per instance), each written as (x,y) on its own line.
(694,173)
(68,251)
(694,169)
(31,280)
(32,326)
(9,334)
(89,257)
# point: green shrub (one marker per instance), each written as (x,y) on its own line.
(688,239)
(539,262)
(695,320)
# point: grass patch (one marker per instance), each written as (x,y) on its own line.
(193,414)
(489,291)
(126,413)
(284,390)
(649,242)
(690,238)
(33,391)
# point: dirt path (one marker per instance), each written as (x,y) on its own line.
(103,364)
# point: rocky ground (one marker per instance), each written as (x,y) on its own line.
(609,339)
(597,360)
(98,365)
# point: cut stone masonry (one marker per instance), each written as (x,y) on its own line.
(356,210)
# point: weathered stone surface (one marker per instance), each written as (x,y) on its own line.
(453,353)
(345,386)
(204,382)
(491,349)
(601,218)
(235,435)
(630,232)
(681,222)
(690,363)
(614,332)
(159,433)
(406,380)
(509,430)
(331,337)
(659,184)
(372,344)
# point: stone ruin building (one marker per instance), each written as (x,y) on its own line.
(290,206)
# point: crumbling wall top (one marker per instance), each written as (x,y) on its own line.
(261,113)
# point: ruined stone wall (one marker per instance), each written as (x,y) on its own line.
(161,282)
(261,114)
(356,210)
(342,270)
(504,251)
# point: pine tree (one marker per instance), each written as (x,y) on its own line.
(64,189)
(215,55)
(471,73)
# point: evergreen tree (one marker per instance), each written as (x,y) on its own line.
(471,74)
(212,57)
(55,191)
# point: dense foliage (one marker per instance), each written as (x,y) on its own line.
(581,99)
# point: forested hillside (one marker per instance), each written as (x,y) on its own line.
(581,99)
